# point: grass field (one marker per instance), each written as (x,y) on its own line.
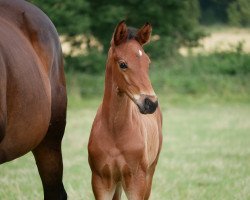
(205,155)
(221,38)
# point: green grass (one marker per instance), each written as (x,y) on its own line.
(205,155)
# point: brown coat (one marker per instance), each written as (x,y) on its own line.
(126,135)
(33,92)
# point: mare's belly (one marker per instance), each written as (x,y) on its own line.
(28,95)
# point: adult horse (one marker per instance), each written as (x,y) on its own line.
(126,135)
(32,92)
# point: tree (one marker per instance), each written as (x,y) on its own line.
(174,21)
(214,11)
(239,13)
(71,18)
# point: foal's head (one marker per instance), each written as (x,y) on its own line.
(130,65)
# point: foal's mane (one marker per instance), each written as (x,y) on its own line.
(132,33)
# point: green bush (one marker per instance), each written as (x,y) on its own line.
(224,75)
(92,63)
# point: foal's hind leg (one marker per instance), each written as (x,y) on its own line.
(49,162)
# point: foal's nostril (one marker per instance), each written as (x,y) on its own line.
(149,105)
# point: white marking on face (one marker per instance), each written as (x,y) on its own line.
(136,96)
(140,53)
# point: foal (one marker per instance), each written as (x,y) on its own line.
(126,138)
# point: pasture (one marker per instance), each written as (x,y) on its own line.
(205,155)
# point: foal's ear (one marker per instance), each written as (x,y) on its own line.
(121,33)
(144,33)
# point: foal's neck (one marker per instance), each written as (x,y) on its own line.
(117,108)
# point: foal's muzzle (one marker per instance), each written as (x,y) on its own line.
(147,104)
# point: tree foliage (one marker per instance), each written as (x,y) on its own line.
(233,12)
(173,19)
(70,17)
(239,13)
(174,22)
(214,11)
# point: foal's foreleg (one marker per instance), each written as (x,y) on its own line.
(103,187)
(149,181)
(49,162)
(135,186)
(118,192)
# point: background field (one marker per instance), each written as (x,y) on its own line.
(205,155)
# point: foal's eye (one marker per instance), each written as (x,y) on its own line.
(123,65)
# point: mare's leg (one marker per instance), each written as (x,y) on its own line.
(49,162)
(48,153)
(3,157)
(3,112)
(2,126)
(102,187)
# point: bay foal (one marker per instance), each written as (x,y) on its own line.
(126,137)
